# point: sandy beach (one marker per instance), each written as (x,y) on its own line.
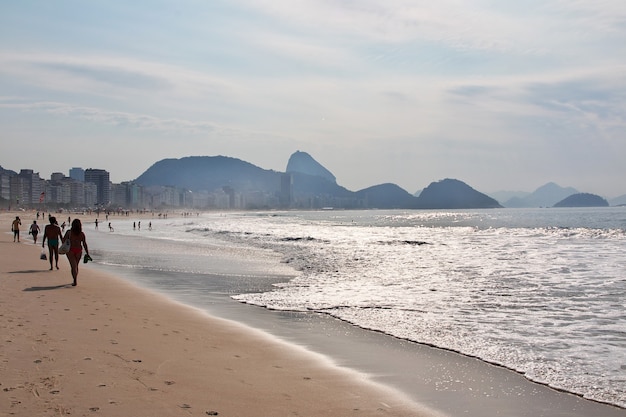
(106,347)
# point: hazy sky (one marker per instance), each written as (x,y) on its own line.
(501,94)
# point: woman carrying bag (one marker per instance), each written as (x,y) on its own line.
(77,240)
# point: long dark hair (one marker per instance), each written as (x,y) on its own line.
(77,227)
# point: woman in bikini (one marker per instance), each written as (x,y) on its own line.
(52,232)
(77,243)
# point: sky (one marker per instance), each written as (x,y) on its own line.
(500,94)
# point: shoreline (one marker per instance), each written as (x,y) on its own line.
(453,383)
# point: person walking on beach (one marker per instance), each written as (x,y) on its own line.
(15,228)
(52,232)
(77,243)
(34,230)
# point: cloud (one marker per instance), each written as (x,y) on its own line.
(112,118)
(596,93)
(112,76)
(532,29)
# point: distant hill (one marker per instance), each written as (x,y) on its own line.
(504,196)
(545,196)
(386,196)
(311,185)
(618,201)
(208,173)
(583,200)
(453,194)
(303,163)
(312,181)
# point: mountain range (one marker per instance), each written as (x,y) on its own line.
(311,184)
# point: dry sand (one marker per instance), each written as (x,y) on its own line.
(108,348)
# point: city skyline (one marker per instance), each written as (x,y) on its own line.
(504,96)
(508,193)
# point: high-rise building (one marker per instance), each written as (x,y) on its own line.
(57,176)
(286,189)
(77,192)
(27,188)
(100,178)
(77,174)
(5,186)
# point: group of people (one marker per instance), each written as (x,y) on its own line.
(54,235)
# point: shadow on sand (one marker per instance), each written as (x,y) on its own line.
(27,271)
(52,287)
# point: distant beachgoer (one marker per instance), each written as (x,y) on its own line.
(138,225)
(150,226)
(77,243)
(52,232)
(110,227)
(134,225)
(63,226)
(96,224)
(34,230)
(15,228)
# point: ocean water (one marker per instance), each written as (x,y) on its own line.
(539,291)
